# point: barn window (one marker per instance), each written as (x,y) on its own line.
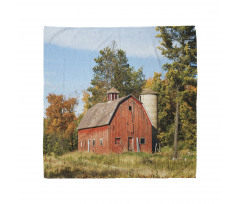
(130,108)
(93,143)
(81,143)
(117,140)
(140,98)
(101,141)
(142,140)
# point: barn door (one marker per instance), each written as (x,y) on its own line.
(88,145)
(130,144)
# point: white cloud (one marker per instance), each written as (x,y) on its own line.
(137,42)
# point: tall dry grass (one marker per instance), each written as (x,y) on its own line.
(126,165)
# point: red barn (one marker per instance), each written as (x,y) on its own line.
(119,125)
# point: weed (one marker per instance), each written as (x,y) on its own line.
(126,165)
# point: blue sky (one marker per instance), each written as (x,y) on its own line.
(69,55)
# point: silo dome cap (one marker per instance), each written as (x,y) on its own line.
(148,91)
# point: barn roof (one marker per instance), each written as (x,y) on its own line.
(148,91)
(100,114)
(112,90)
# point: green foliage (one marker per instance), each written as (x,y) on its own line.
(112,70)
(45,144)
(187,116)
(58,144)
(188,125)
(179,45)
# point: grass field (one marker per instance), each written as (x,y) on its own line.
(126,165)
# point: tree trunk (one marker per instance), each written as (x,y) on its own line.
(175,146)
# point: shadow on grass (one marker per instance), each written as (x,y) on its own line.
(68,172)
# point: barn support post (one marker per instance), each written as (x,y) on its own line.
(137,144)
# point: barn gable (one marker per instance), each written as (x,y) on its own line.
(102,113)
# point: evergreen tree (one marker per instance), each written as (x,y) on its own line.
(179,45)
(112,70)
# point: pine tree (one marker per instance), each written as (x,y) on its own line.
(179,45)
(112,70)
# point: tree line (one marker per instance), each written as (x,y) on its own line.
(177,92)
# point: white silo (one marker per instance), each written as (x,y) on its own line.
(149,98)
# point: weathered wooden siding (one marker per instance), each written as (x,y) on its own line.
(93,134)
(125,124)
(130,123)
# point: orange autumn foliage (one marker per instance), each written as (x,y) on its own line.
(61,115)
